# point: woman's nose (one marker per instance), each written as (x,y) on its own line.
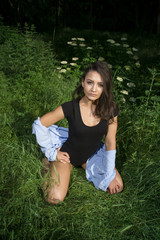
(94,87)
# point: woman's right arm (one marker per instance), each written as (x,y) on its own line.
(52,117)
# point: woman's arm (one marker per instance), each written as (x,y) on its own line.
(110,143)
(43,136)
(110,140)
(52,117)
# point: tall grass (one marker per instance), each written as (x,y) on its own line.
(33,83)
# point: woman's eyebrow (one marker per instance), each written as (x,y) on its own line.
(89,79)
(93,80)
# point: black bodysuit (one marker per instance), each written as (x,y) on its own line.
(83,141)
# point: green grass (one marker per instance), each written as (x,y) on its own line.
(31,85)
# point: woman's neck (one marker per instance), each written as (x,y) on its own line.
(86,103)
(84,100)
(89,105)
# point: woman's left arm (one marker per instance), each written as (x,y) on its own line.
(110,140)
(110,143)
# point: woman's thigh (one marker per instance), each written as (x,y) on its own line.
(57,183)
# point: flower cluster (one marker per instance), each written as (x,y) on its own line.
(65,64)
(129,51)
(121,84)
(77,41)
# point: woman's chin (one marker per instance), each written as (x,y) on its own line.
(92,98)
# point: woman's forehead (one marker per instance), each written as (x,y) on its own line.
(94,76)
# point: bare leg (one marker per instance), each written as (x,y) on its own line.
(84,166)
(56,186)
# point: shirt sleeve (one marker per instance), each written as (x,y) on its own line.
(49,138)
(43,138)
(67,109)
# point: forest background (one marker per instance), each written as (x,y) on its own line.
(44,45)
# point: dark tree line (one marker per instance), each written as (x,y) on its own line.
(109,15)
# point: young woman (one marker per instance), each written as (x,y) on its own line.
(91,115)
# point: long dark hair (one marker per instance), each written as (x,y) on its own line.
(105,105)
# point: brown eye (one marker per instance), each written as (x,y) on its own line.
(89,82)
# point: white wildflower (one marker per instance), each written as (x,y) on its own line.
(110,66)
(135,57)
(89,48)
(124,92)
(68,69)
(117,44)
(70,43)
(74,44)
(123,38)
(100,59)
(137,64)
(63,70)
(111,41)
(75,58)
(120,79)
(125,45)
(81,39)
(58,68)
(74,39)
(135,49)
(132,99)
(73,64)
(127,67)
(64,62)
(131,85)
(129,52)
(82,45)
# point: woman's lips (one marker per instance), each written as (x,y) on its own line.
(93,95)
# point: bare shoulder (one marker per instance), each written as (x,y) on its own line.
(52,117)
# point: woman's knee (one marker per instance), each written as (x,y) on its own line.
(55,198)
(56,187)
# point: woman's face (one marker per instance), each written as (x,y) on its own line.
(93,85)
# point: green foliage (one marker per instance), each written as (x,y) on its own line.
(33,82)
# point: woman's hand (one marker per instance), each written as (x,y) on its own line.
(62,156)
(114,187)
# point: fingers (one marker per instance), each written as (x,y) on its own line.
(65,153)
(113,190)
(62,156)
(64,159)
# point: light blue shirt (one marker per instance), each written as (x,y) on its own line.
(100,167)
